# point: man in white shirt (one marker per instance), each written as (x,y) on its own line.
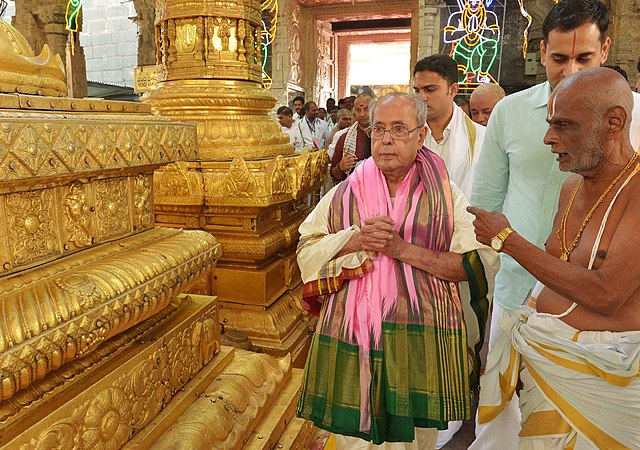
(285,118)
(298,106)
(451,134)
(309,132)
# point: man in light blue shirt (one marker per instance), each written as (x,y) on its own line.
(517,174)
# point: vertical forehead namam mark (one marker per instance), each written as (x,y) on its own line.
(573,49)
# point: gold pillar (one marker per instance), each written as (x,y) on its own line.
(246,186)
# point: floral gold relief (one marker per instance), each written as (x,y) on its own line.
(99,346)
(113,208)
(31,225)
(121,404)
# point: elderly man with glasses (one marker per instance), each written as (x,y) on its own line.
(385,257)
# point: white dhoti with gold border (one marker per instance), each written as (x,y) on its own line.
(581,389)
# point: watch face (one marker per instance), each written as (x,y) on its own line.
(496,244)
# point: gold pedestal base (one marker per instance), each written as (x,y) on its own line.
(104,403)
(279,329)
(248,406)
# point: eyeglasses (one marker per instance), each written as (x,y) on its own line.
(399,132)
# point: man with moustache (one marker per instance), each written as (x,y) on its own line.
(518,176)
(310,131)
(352,144)
(578,354)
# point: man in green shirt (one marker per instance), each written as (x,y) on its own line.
(518,175)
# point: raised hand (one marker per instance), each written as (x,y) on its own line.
(487,224)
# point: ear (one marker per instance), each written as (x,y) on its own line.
(543,53)
(617,121)
(422,134)
(455,87)
(605,50)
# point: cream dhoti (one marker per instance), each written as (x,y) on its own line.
(581,389)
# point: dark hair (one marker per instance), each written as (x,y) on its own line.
(299,97)
(341,102)
(638,65)
(307,106)
(285,110)
(570,14)
(441,64)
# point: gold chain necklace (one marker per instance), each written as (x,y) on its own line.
(562,231)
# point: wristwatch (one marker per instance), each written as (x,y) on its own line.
(497,242)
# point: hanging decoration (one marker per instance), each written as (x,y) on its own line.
(269,9)
(71,18)
(527,16)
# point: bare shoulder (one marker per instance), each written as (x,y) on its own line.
(567,188)
(633,199)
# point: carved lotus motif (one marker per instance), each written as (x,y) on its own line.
(107,421)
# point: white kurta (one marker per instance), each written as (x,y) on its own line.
(303,134)
(455,149)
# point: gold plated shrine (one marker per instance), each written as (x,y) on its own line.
(99,347)
(247,186)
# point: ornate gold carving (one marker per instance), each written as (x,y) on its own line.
(14,410)
(22,71)
(281,180)
(113,208)
(110,413)
(253,182)
(228,48)
(220,131)
(77,214)
(254,248)
(52,147)
(31,225)
(68,311)
(173,180)
(277,330)
(186,37)
(224,33)
(239,181)
(224,415)
(143,207)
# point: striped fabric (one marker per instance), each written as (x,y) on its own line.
(416,373)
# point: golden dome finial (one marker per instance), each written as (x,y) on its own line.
(23,72)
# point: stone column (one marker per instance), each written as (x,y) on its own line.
(625,36)
(282,49)
(427,28)
(145,18)
(246,185)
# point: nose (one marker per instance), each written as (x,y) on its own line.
(386,137)
(550,137)
(571,67)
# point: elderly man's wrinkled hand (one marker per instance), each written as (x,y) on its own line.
(375,233)
(395,246)
(487,224)
(379,235)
